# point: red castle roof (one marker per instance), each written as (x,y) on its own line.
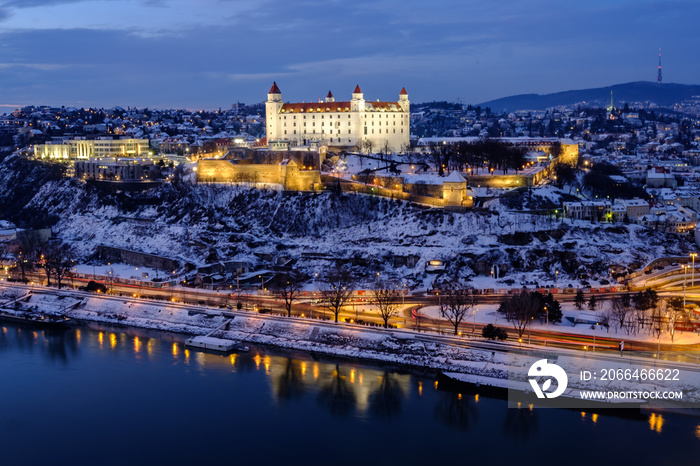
(357,90)
(329,95)
(274,89)
(324,107)
(403,91)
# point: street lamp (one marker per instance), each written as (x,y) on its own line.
(692,273)
(685,282)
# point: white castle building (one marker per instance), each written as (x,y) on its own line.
(367,125)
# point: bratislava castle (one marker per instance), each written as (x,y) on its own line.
(355,123)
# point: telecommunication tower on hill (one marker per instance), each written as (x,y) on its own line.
(658,76)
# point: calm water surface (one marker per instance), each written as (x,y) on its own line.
(90,396)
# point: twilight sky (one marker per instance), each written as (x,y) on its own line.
(211,53)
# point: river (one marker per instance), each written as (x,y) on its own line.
(115,396)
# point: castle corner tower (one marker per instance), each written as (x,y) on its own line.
(272,107)
(403,100)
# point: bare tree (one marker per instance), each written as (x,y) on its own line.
(27,245)
(520,310)
(385,148)
(657,320)
(367,145)
(58,260)
(456,306)
(620,311)
(386,297)
(288,286)
(675,312)
(335,288)
(645,303)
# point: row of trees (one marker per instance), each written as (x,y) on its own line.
(645,312)
(486,153)
(337,284)
(335,288)
(55,258)
(523,308)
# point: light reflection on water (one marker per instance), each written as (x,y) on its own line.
(251,398)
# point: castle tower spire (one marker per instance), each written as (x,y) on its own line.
(357,104)
(272,109)
(403,100)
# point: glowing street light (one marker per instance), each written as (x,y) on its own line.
(692,273)
(685,282)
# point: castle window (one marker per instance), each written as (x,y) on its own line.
(285,131)
(365,130)
(295,131)
(372,131)
(349,132)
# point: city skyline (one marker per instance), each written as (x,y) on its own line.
(187,54)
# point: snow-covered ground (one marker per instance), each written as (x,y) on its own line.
(118,270)
(350,341)
(486,314)
(354,164)
(206,224)
(214,223)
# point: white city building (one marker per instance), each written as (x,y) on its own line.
(73,149)
(369,125)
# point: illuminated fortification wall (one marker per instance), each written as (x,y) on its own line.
(287,175)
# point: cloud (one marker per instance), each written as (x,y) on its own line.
(199,53)
(36,3)
(37,66)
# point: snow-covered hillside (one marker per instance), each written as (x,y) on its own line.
(208,223)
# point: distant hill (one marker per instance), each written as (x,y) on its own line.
(663,95)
